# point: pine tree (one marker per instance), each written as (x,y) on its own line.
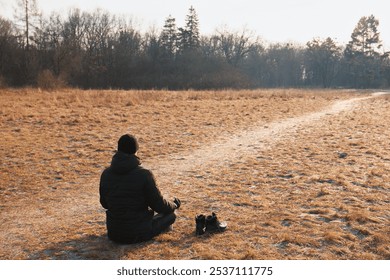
(365,38)
(363,53)
(168,38)
(189,37)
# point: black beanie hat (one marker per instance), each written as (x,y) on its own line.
(128,144)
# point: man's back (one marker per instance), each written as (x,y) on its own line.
(122,184)
(130,195)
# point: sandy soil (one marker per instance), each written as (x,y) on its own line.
(270,167)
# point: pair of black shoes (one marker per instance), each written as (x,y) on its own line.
(209,224)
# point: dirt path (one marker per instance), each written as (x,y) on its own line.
(245,143)
(45,227)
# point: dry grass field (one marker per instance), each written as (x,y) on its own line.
(269,162)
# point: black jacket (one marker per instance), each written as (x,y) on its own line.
(130,195)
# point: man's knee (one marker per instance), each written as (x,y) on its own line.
(172,217)
(168,219)
(162,222)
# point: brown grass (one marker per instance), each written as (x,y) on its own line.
(292,198)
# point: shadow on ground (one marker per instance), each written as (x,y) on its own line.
(89,247)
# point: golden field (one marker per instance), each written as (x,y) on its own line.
(269,162)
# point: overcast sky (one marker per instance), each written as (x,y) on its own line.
(273,20)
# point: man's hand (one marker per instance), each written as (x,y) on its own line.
(177,202)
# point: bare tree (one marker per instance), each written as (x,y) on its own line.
(322,57)
(28,15)
(8,51)
(235,46)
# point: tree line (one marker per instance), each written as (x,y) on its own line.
(100,50)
